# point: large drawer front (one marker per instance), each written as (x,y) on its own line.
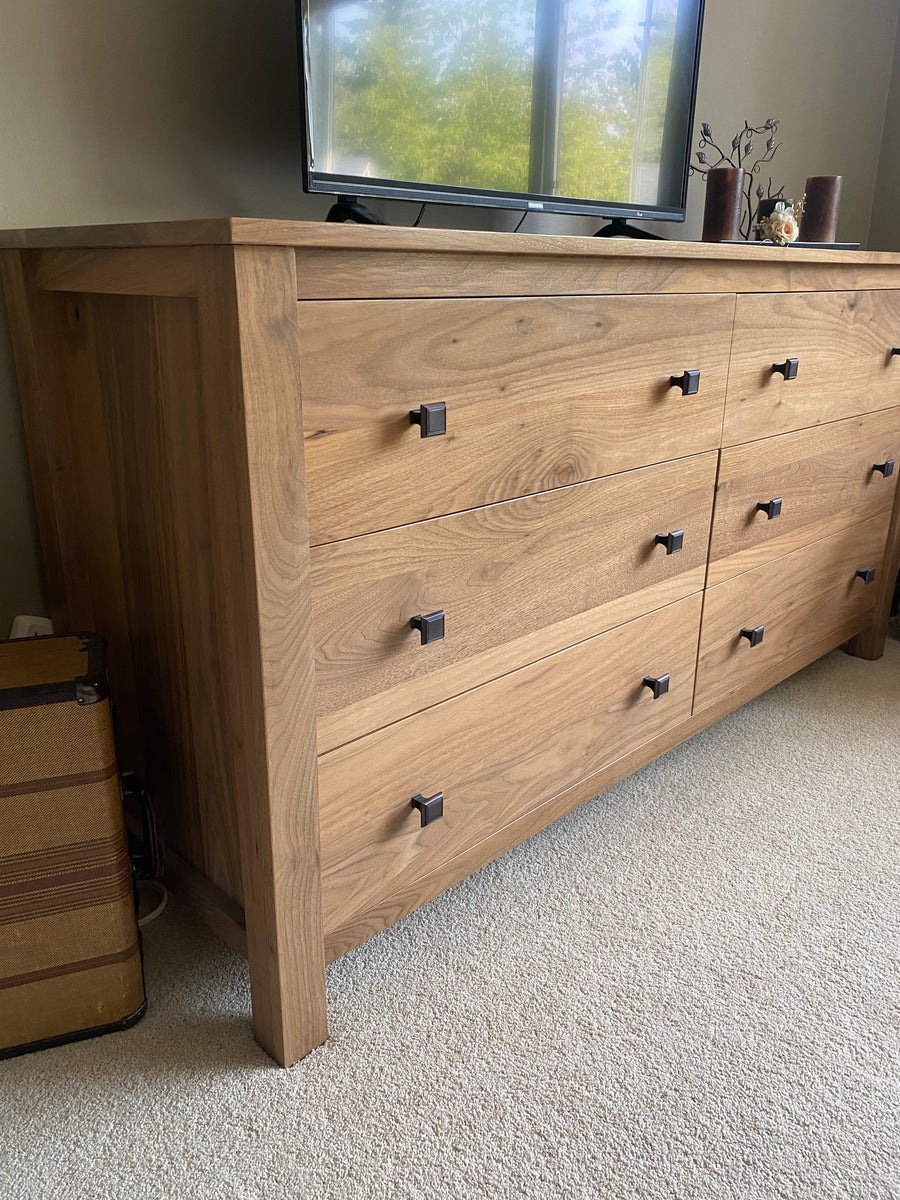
(495,753)
(540,393)
(842,342)
(515,581)
(825,479)
(796,600)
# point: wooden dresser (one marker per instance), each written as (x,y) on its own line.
(407,542)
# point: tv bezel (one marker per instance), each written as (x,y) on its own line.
(325,183)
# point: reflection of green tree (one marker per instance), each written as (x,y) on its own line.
(659,66)
(470,128)
(440,92)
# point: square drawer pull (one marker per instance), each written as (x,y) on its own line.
(430,626)
(885,468)
(867,575)
(772,508)
(431,419)
(431,808)
(788,368)
(753,636)
(689,382)
(673,541)
(658,684)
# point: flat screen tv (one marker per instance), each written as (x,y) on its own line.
(571,106)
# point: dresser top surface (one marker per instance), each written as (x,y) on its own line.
(318,235)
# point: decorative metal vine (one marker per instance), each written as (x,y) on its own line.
(742,145)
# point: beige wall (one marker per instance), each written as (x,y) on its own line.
(823,67)
(884,233)
(115,110)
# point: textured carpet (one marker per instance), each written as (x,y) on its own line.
(688,989)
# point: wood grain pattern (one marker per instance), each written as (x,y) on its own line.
(162,368)
(66,428)
(843,341)
(148,352)
(251,387)
(381,239)
(146,272)
(148,395)
(798,599)
(516,582)
(38,432)
(540,394)
(214,231)
(346,274)
(824,477)
(423,691)
(574,712)
(402,898)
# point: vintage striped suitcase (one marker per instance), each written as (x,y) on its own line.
(70,961)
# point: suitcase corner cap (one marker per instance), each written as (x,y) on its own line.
(91,688)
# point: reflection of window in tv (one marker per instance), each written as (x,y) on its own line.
(588,99)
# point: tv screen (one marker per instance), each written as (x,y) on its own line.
(579,106)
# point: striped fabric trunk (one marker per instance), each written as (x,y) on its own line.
(70,962)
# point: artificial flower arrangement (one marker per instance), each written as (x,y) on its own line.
(782,225)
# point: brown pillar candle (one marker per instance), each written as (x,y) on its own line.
(820,208)
(724,197)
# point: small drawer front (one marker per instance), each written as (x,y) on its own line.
(495,753)
(838,346)
(537,393)
(766,615)
(505,585)
(779,494)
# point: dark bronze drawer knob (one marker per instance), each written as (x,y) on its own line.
(753,636)
(431,808)
(788,368)
(431,419)
(659,684)
(867,576)
(886,468)
(772,508)
(673,541)
(430,626)
(689,382)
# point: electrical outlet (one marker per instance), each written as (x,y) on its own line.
(29,627)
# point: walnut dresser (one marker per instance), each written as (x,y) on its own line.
(407,542)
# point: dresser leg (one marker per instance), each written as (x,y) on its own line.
(260,552)
(870,643)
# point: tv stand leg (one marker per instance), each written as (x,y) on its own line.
(618,227)
(348,208)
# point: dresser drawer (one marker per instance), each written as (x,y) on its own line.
(824,478)
(540,393)
(796,600)
(842,342)
(495,753)
(515,581)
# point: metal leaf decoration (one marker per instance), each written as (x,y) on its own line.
(740,152)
